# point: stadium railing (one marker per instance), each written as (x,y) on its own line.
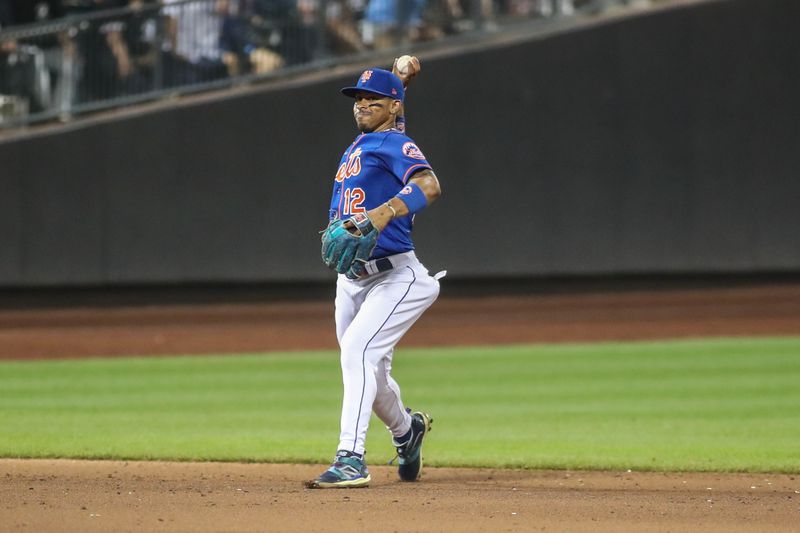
(59,69)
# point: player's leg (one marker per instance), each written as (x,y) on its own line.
(408,428)
(388,405)
(349,297)
(371,318)
(392,305)
(348,470)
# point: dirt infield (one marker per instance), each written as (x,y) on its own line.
(64,495)
(42,332)
(115,496)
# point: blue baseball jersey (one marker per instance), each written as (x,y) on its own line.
(372,171)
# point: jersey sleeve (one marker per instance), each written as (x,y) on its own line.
(404,157)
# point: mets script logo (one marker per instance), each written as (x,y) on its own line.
(411,150)
(351,167)
(366,76)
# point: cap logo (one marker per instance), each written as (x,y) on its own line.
(366,76)
(394,91)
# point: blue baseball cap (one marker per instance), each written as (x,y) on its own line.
(378,81)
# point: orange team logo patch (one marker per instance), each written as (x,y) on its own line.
(411,150)
(366,76)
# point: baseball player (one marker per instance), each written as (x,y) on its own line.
(383,180)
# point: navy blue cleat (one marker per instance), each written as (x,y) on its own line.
(348,471)
(409,452)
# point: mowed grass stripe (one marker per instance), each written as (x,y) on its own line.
(715,404)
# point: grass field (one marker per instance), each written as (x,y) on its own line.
(713,405)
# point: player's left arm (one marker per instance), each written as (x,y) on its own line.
(424,181)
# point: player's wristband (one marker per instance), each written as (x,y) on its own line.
(413,197)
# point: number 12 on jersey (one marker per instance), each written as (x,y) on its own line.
(353,198)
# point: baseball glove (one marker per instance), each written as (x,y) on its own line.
(347,245)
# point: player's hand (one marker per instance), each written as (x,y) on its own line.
(349,226)
(407,69)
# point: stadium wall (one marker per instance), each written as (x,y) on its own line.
(663,143)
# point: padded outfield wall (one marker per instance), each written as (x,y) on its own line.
(664,143)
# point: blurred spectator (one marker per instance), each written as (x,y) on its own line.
(104,63)
(6,14)
(542,8)
(602,5)
(138,47)
(59,53)
(164,43)
(244,48)
(9,77)
(301,32)
(193,31)
(18,75)
(335,28)
(28,67)
(391,22)
(286,27)
(342,28)
(562,7)
(30,11)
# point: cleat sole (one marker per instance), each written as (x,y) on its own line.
(349,484)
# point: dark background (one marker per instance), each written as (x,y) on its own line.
(666,143)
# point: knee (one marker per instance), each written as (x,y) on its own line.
(382,372)
(350,363)
(354,356)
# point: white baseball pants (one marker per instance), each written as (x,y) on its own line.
(372,315)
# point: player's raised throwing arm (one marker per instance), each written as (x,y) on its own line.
(406,68)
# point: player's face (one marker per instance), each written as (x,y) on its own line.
(374,112)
